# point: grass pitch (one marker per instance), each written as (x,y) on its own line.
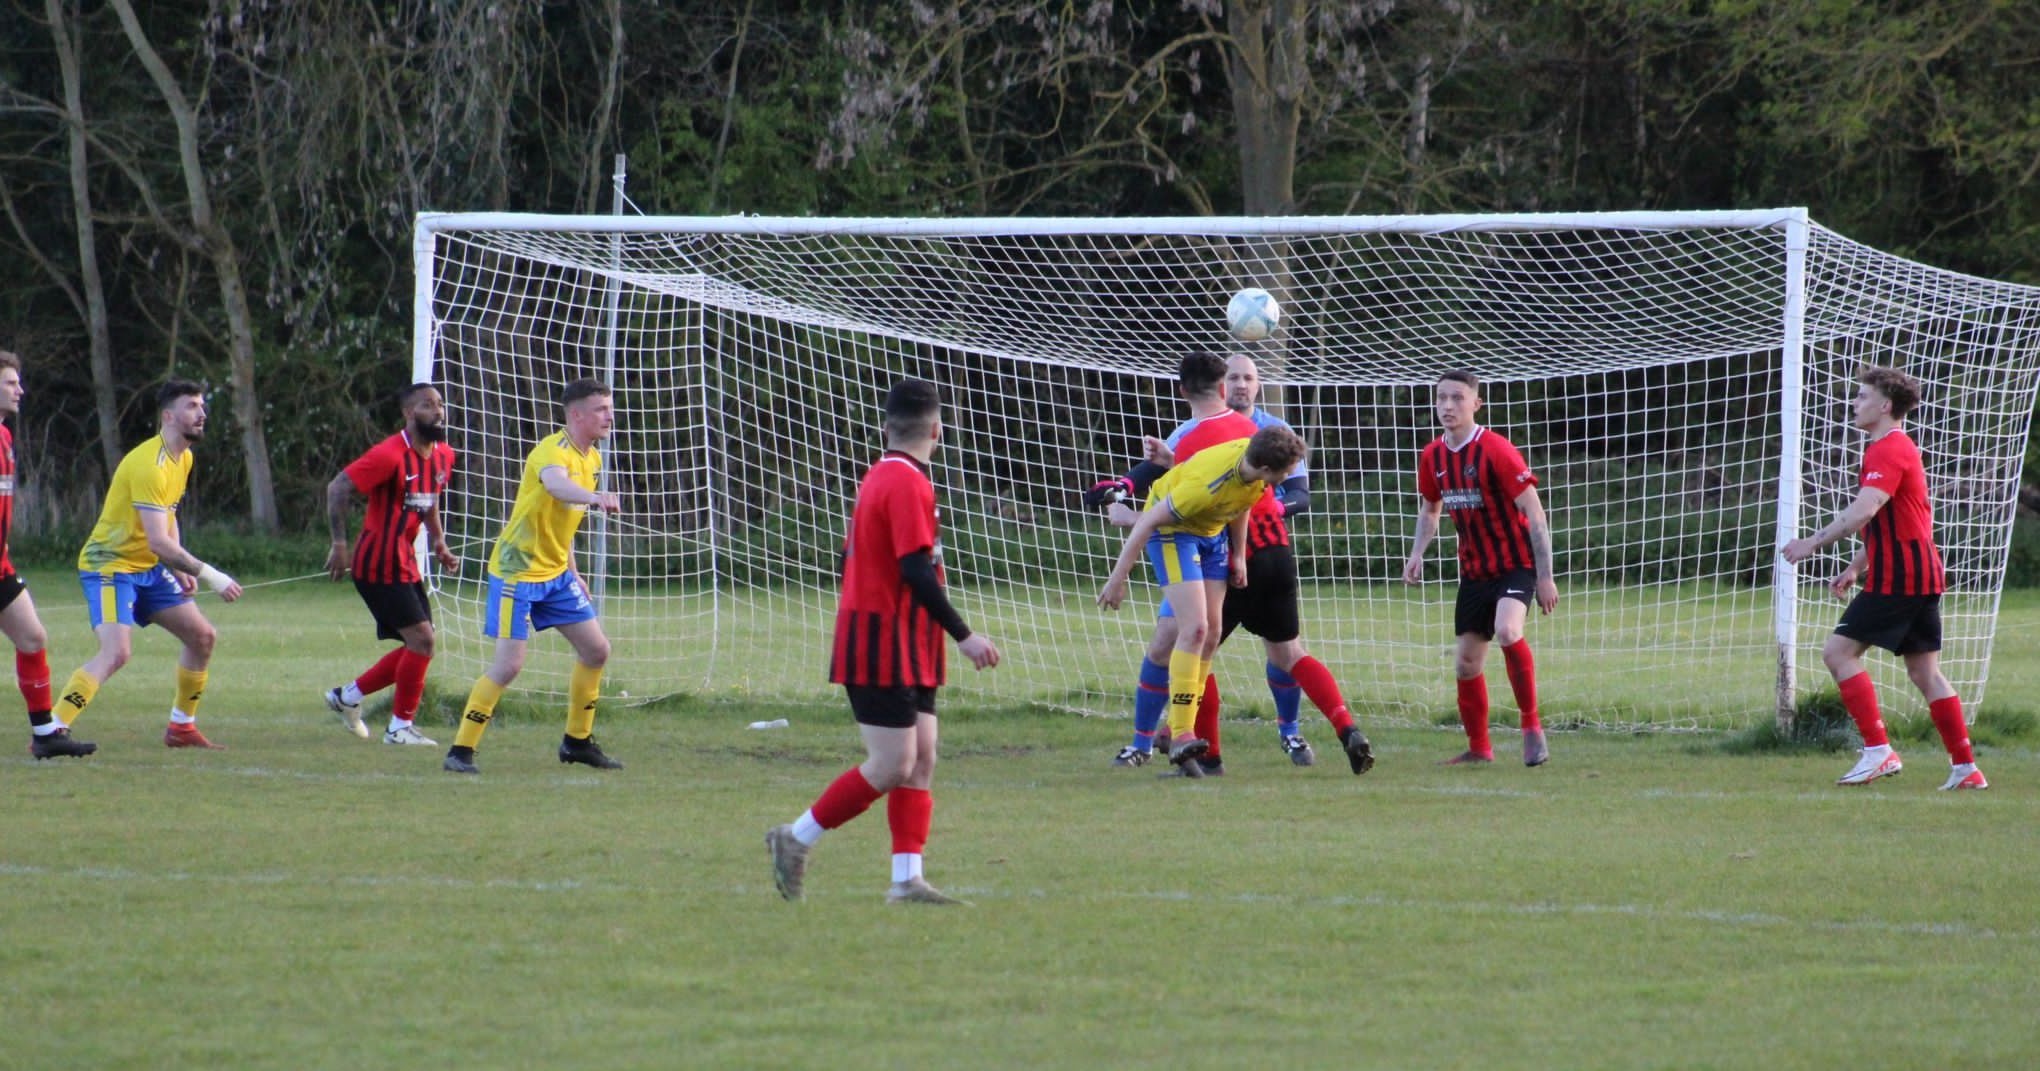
(306,900)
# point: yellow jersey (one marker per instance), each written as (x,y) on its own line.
(148,479)
(1206,492)
(538,542)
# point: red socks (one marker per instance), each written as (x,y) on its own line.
(1523,682)
(1947,715)
(1859,697)
(381,675)
(1317,683)
(410,675)
(1473,715)
(32,673)
(1207,716)
(909,812)
(846,797)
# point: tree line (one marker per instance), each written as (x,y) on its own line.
(224,189)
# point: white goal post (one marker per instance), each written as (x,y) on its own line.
(1679,381)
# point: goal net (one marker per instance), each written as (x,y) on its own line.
(1679,382)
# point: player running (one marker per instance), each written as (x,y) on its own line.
(888,654)
(48,739)
(1504,557)
(1899,608)
(402,477)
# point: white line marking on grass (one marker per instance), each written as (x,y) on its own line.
(1730,919)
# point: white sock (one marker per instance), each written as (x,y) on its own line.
(1962,769)
(1877,752)
(806,830)
(350,694)
(178,717)
(399,723)
(52,728)
(906,866)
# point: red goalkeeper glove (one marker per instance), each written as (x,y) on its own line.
(1107,491)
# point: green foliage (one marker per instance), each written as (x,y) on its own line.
(1819,723)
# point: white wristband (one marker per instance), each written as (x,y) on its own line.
(213,578)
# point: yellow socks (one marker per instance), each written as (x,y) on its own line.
(190,689)
(584,686)
(77,695)
(481,706)
(1186,686)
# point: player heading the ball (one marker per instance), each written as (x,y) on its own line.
(1194,533)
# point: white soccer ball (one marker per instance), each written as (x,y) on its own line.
(1252,314)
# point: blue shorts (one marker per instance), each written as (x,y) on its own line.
(130,598)
(1180,556)
(534,605)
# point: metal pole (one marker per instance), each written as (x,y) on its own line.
(1791,465)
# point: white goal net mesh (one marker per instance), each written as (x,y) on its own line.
(1644,365)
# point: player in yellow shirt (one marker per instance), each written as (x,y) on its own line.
(1194,531)
(533,585)
(136,572)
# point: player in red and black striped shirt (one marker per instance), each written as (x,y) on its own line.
(402,477)
(18,619)
(1899,608)
(888,653)
(1504,558)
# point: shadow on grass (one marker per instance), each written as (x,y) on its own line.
(1822,724)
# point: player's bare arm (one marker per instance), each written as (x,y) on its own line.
(562,486)
(436,533)
(1848,522)
(1847,578)
(1428,516)
(1158,514)
(164,545)
(340,496)
(1540,548)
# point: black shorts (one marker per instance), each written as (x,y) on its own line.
(896,706)
(1901,624)
(1475,610)
(1267,605)
(11,587)
(395,607)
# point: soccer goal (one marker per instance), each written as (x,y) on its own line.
(1679,381)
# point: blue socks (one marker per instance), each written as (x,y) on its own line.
(1288,698)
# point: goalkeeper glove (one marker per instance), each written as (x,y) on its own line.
(1108,491)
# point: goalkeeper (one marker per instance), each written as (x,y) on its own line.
(1194,534)
(136,572)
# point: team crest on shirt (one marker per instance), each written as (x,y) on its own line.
(1467,471)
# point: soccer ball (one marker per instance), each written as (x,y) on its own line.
(1252,314)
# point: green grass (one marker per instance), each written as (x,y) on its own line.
(305,900)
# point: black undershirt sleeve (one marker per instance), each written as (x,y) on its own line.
(918,570)
(1144,475)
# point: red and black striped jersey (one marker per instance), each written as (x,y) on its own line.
(7,478)
(1899,540)
(884,637)
(401,488)
(1478,484)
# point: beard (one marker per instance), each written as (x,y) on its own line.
(194,433)
(429,433)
